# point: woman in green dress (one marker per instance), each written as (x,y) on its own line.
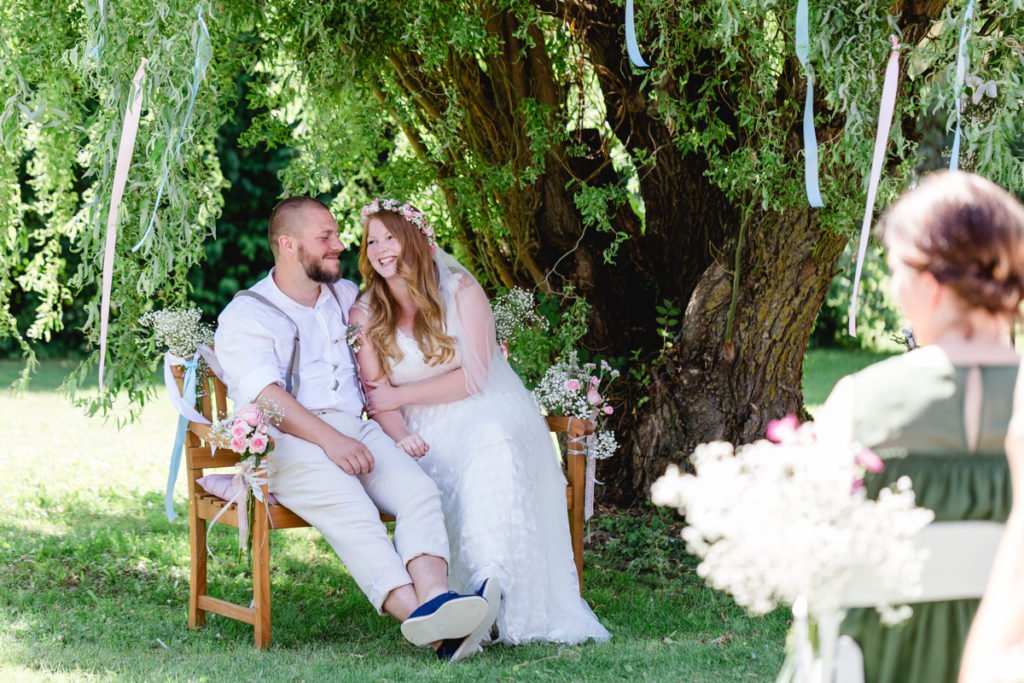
(996,643)
(956,253)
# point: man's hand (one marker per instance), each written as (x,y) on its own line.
(381,397)
(349,454)
(414,445)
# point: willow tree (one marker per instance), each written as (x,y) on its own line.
(522,128)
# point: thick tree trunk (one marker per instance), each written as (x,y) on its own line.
(709,387)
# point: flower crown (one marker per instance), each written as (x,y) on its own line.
(406,211)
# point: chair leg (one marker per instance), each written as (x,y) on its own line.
(576,474)
(261,575)
(197,567)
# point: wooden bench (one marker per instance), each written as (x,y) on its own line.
(204,506)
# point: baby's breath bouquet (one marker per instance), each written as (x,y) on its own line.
(178,331)
(788,521)
(575,389)
(515,312)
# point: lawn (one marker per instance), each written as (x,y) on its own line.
(94,579)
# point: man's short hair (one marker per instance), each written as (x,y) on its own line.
(281,215)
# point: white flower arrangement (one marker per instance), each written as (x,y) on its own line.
(514,312)
(774,522)
(180,332)
(575,390)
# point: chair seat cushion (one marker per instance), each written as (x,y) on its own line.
(222,486)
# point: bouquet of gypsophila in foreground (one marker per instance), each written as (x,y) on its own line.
(247,433)
(788,521)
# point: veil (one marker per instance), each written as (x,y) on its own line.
(483,364)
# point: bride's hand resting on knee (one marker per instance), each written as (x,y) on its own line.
(381,397)
(414,445)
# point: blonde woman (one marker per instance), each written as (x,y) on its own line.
(438,384)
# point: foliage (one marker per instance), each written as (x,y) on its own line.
(518,127)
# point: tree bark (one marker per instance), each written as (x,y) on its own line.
(709,387)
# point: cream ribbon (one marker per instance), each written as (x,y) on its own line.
(885,112)
(247,479)
(124,160)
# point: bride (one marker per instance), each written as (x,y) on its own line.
(440,387)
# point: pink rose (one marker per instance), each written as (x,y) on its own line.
(784,430)
(593,398)
(594,381)
(250,413)
(572,385)
(869,460)
(238,444)
(258,444)
(607,410)
(239,429)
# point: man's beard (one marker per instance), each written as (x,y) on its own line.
(315,271)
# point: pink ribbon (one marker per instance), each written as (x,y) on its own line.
(124,159)
(885,112)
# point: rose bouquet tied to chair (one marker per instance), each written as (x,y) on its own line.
(787,521)
(247,433)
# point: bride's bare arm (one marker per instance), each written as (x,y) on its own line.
(391,421)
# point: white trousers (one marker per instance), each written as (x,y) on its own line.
(346,508)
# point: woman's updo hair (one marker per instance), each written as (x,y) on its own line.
(968,233)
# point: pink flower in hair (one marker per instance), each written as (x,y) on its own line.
(869,460)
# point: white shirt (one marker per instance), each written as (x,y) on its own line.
(254,345)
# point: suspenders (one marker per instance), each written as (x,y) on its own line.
(291,382)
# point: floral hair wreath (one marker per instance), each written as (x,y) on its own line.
(406,211)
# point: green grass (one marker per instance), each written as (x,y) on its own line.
(824,367)
(94,579)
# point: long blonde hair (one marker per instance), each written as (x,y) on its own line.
(416,267)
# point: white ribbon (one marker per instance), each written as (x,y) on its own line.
(247,478)
(124,159)
(961,71)
(885,112)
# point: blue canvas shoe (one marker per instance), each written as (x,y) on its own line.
(455,649)
(447,616)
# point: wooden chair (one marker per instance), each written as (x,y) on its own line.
(204,506)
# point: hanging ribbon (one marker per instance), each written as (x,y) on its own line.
(247,479)
(803,42)
(204,54)
(631,46)
(591,479)
(124,159)
(184,402)
(961,72)
(885,112)
(97,49)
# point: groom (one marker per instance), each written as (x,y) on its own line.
(285,340)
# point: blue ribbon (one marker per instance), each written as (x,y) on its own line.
(961,72)
(203,56)
(803,43)
(631,46)
(189,396)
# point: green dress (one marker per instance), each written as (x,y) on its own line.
(909,409)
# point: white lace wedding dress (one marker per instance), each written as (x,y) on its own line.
(503,492)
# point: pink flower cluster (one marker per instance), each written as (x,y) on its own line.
(246,432)
(594,397)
